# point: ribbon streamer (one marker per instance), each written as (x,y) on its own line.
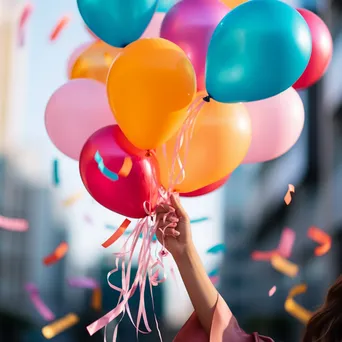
(61,24)
(318,235)
(126,167)
(220,248)
(25,15)
(13,224)
(56,179)
(294,308)
(109,174)
(73,199)
(57,327)
(120,231)
(284,266)
(40,306)
(288,196)
(272,291)
(57,254)
(199,220)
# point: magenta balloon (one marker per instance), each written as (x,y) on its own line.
(277,123)
(207,189)
(74,112)
(73,57)
(127,195)
(153,29)
(190,24)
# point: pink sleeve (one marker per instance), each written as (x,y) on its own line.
(225,328)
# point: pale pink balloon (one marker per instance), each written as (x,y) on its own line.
(277,123)
(153,29)
(74,112)
(73,57)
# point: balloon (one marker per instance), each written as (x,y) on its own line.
(220,140)
(190,24)
(153,29)
(322,49)
(73,57)
(251,57)
(165,5)
(150,86)
(207,189)
(75,111)
(127,195)
(94,63)
(233,3)
(117,22)
(91,33)
(277,123)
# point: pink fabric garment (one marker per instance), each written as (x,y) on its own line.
(225,328)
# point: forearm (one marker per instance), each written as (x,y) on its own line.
(202,292)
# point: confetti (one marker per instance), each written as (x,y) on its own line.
(57,254)
(217,249)
(111,227)
(214,279)
(199,220)
(284,266)
(287,239)
(288,196)
(213,273)
(294,308)
(272,291)
(43,310)
(321,237)
(25,15)
(13,224)
(117,233)
(88,219)
(57,327)
(73,199)
(126,167)
(263,256)
(55,174)
(109,174)
(96,301)
(61,24)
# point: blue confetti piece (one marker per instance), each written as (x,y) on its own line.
(109,226)
(109,174)
(199,220)
(217,249)
(214,273)
(56,179)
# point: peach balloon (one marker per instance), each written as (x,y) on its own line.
(74,56)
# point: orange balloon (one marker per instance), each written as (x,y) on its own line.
(150,86)
(94,62)
(220,140)
(233,3)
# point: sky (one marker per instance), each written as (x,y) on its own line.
(46,72)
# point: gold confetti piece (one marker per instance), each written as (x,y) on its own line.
(96,301)
(58,254)
(288,196)
(294,308)
(318,235)
(57,327)
(126,167)
(272,291)
(73,199)
(284,266)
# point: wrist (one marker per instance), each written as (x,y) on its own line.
(184,253)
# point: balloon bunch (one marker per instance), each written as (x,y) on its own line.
(215,90)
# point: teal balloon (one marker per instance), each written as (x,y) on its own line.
(117,22)
(258,50)
(165,5)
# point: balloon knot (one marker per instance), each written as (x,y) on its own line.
(148,153)
(207,98)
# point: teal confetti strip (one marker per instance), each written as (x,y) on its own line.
(109,174)
(217,249)
(199,220)
(111,227)
(214,273)
(55,176)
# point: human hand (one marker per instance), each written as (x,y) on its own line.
(177,236)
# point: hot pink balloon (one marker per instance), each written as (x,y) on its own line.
(277,123)
(207,189)
(125,196)
(73,57)
(153,29)
(190,24)
(74,112)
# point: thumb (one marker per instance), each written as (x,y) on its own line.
(175,203)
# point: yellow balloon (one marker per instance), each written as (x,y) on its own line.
(220,140)
(150,86)
(233,3)
(94,62)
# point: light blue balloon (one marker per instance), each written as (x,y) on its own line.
(117,22)
(165,5)
(258,50)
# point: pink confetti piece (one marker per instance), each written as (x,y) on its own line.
(42,309)
(263,256)
(25,15)
(61,24)
(287,239)
(83,282)
(288,196)
(88,219)
(214,279)
(13,224)
(272,291)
